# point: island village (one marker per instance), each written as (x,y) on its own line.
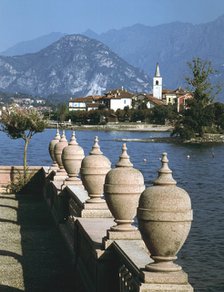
(122,98)
(114,99)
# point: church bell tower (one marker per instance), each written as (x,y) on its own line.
(157,84)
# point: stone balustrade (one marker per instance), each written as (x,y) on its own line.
(112,252)
(121,257)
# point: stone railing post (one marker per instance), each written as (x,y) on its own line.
(164,217)
(72,156)
(123,186)
(94,168)
(93,171)
(58,148)
(53,142)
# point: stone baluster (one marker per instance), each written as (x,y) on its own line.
(122,189)
(53,142)
(94,168)
(72,156)
(58,148)
(164,218)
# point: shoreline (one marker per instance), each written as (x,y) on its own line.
(119,127)
(129,127)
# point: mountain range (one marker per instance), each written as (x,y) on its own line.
(75,65)
(172,45)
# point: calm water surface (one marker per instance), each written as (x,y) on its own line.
(202,175)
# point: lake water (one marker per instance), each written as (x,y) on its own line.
(202,175)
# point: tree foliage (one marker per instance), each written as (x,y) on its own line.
(199,113)
(62,112)
(20,123)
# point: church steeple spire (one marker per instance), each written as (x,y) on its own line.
(157,73)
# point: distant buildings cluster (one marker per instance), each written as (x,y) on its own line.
(24,102)
(121,98)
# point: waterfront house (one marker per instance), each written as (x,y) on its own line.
(145,101)
(84,103)
(117,99)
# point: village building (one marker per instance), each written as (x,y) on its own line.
(145,101)
(117,99)
(84,103)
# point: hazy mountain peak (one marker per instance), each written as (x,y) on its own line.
(73,65)
(34,45)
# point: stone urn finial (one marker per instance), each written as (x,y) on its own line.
(53,142)
(123,186)
(124,160)
(96,148)
(58,148)
(165,173)
(72,156)
(164,218)
(93,171)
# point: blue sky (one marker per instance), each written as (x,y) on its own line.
(22,20)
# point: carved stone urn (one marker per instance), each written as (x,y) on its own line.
(53,142)
(72,156)
(164,217)
(58,148)
(122,189)
(93,171)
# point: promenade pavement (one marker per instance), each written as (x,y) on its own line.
(33,257)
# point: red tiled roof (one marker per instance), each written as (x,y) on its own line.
(178,91)
(118,94)
(152,99)
(86,99)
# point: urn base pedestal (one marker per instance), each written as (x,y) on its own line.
(96,211)
(60,177)
(158,281)
(74,181)
(116,235)
(163,264)
(95,200)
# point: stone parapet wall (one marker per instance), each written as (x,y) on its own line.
(8,174)
(104,264)
(106,260)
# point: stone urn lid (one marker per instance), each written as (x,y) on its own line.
(54,141)
(73,150)
(125,174)
(95,162)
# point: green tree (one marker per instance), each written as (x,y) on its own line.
(199,82)
(22,123)
(198,114)
(161,114)
(62,112)
(216,110)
